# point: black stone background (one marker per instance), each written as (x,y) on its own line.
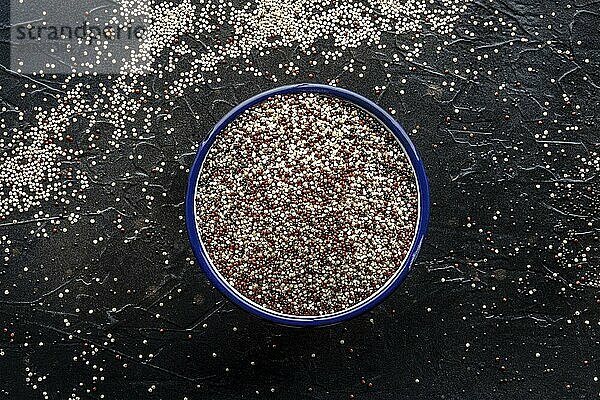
(466,324)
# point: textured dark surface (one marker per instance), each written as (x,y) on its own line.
(502,302)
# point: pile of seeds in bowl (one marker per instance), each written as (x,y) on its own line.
(306,204)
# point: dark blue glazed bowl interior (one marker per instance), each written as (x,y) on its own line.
(219,281)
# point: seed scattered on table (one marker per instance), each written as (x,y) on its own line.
(306,204)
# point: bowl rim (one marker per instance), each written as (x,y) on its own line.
(367,304)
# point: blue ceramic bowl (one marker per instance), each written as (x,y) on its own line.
(219,281)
